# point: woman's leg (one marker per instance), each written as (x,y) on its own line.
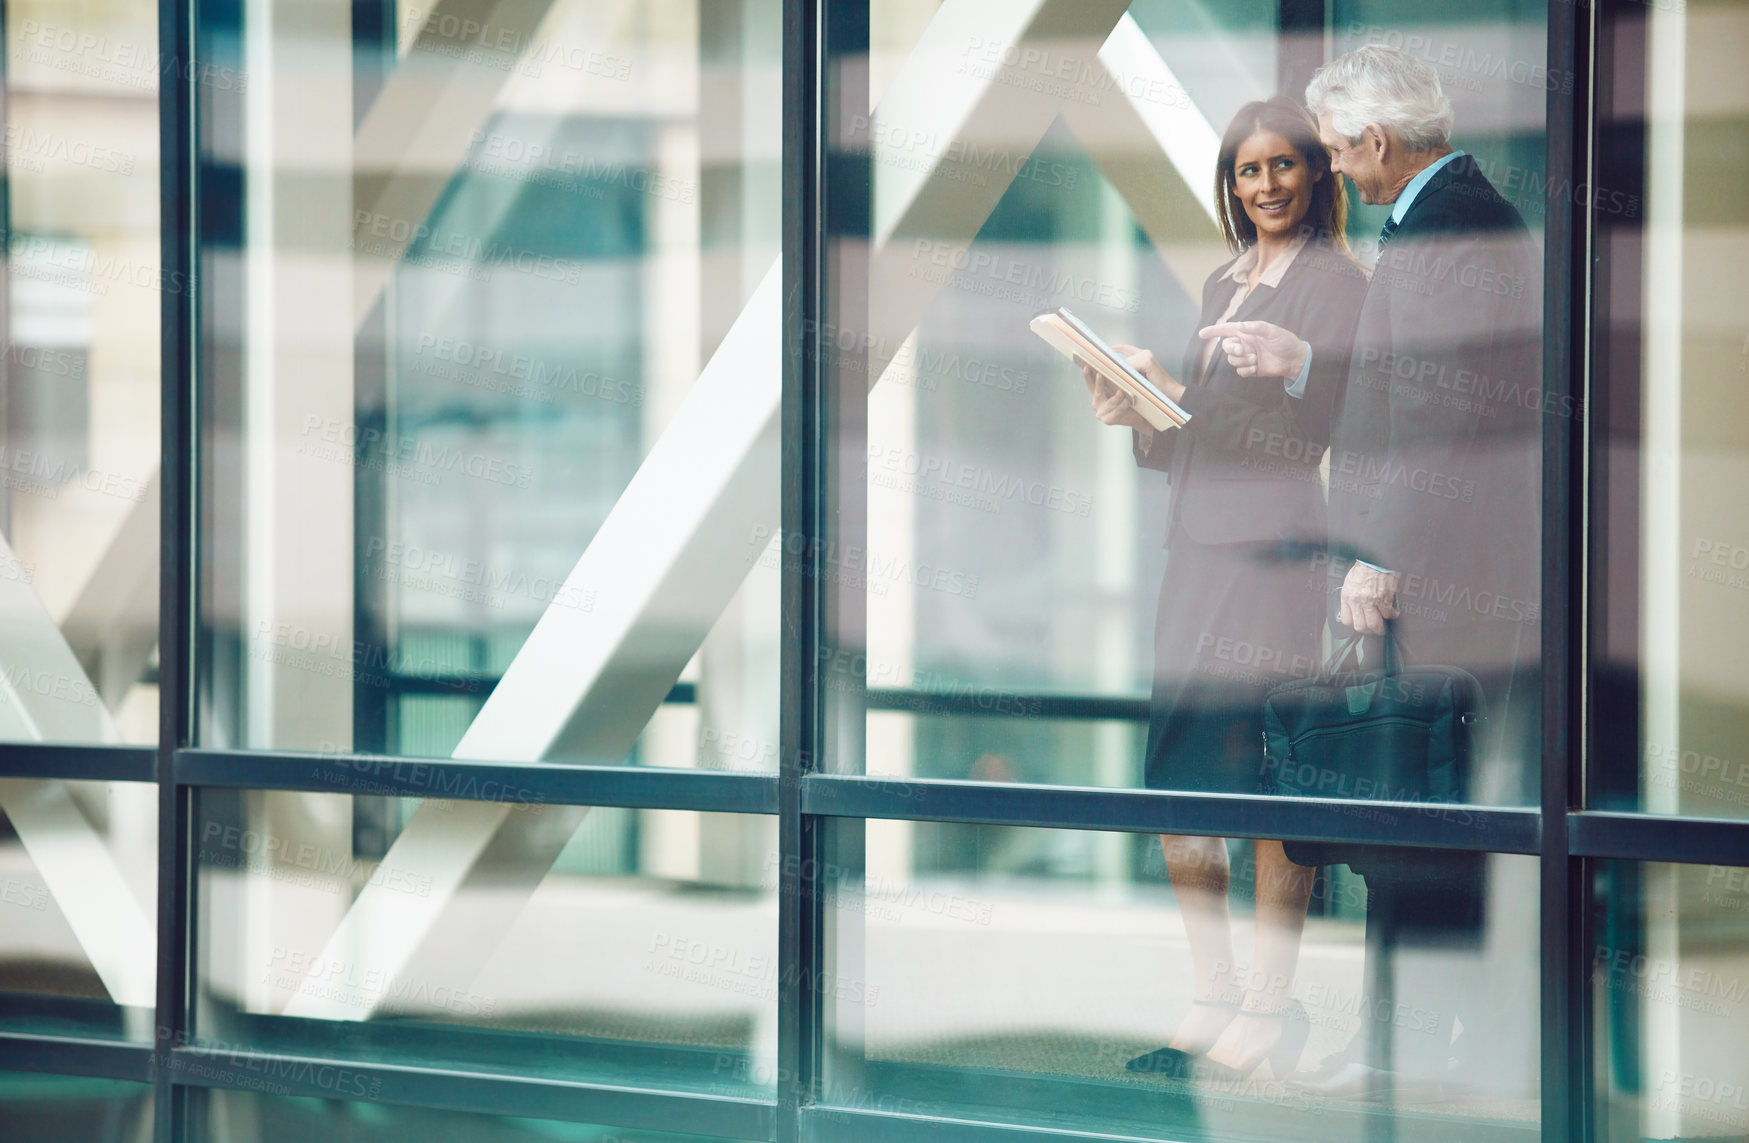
(1199,873)
(1283,889)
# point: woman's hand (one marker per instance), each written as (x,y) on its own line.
(1259,349)
(1112,405)
(1144,362)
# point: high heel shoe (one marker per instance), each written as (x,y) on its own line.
(1176,1063)
(1283,1057)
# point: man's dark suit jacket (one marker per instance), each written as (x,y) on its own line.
(1245,469)
(1434,463)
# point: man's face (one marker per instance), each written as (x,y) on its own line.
(1358,160)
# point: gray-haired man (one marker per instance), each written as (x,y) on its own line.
(1435,484)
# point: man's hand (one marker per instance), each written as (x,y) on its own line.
(1259,349)
(1369,597)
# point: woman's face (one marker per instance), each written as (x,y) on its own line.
(1273,183)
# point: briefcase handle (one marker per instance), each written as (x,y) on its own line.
(1349,648)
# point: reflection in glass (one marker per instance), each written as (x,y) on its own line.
(77,907)
(245,1117)
(36,1108)
(1005,973)
(1671,535)
(1670,973)
(645,939)
(79,393)
(483,273)
(79,399)
(1003,549)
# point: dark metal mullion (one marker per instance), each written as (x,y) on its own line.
(1618,134)
(373,707)
(177,432)
(833,852)
(798,1024)
(1437,826)
(993,702)
(1301,43)
(79,763)
(1564,970)
(710,791)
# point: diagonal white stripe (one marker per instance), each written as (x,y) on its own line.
(703,505)
(46,697)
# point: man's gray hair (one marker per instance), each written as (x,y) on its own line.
(1380,84)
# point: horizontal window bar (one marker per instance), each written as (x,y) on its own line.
(1436,826)
(80,1056)
(647,787)
(992,702)
(987,701)
(489,1094)
(86,763)
(484,683)
(1646,837)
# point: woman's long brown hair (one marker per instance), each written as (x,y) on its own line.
(1326,218)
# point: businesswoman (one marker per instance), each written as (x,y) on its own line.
(1240,609)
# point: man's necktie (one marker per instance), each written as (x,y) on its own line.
(1390,229)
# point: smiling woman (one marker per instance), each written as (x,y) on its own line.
(1243,518)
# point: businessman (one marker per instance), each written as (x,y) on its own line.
(1435,496)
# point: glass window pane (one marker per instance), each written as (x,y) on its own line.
(493,376)
(79,394)
(38,1108)
(78,894)
(248,1117)
(1670,530)
(1000,553)
(639,945)
(1034,976)
(1670,974)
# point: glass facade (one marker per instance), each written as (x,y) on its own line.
(450,336)
(78,894)
(602,943)
(46,1109)
(80,495)
(948,569)
(82,297)
(258,1118)
(1670,982)
(992,973)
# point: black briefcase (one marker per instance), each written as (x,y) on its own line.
(1397,733)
